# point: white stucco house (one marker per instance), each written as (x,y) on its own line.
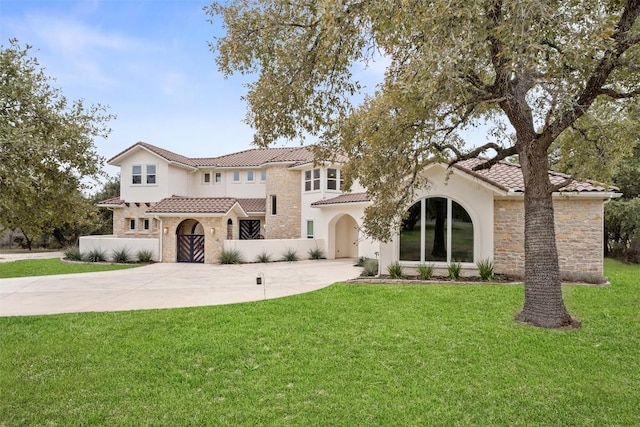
(275,199)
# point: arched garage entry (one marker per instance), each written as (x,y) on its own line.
(190,241)
(343,237)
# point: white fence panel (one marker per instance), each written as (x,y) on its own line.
(275,248)
(108,244)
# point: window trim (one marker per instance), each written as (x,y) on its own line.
(239,175)
(133,175)
(206,177)
(132,224)
(154,174)
(273,204)
(253,176)
(310,223)
(217,178)
(263,175)
(312,178)
(146,224)
(334,179)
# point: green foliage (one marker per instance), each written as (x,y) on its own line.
(263,257)
(361,261)
(230,256)
(47,153)
(72,253)
(369,268)
(95,255)
(290,255)
(622,223)
(316,253)
(110,189)
(144,256)
(485,268)
(395,270)
(121,255)
(47,267)
(425,271)
(454,268)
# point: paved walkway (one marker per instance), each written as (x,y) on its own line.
(167,285)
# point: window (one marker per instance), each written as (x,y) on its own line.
(309,229)
(250,176)
(136,174)
(436,229)
(145,223)
(312,180)
(263,175)
(218,178)
(273,204)
(206,177)
(332,179)
(132,224)
(236,176)
(151,174)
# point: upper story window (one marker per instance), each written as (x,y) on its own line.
(136,174)
(236,176)
(206,177)
(218,178)
(312,180)
(151,174)
(250,176)
(334,182)
(263,175)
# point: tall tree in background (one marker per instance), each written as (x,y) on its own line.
(47,152)
(533,68)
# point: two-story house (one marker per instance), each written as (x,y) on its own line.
(268,200)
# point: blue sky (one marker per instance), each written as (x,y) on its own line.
(147,60)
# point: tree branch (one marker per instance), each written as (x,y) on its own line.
(619,95)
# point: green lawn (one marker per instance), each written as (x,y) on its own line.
(46,267)
(347,355)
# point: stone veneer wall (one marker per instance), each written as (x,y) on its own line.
(213,243)
(286,185)
(579,234)
(121,218)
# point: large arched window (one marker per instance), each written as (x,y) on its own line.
(436,229)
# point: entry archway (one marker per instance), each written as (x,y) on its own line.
(190,241)
(343,237)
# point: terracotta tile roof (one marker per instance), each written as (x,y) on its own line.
(343,198)
(253,205)
(254,157)
(177,204)
(508,177)
(115,201)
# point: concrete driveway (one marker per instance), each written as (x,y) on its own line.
(167,285)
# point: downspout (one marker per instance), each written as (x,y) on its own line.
(161,228)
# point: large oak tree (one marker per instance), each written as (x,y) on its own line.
(47,152)
(531,68)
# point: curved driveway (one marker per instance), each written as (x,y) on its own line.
(167,285)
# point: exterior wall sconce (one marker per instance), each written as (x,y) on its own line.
(166,230)
(212,231)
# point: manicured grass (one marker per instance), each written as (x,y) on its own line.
(46,267)
(347,355)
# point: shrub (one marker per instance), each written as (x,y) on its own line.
(230,256)
(290,255)
(454,270)
(72,253)
(395,270)
(144,255)
(425,271)
(316,253)
(94,255)
(485,268)
(361,261)
(369,268)
(582,277)
(121,256)
(263,257)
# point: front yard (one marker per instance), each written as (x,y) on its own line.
(346,355)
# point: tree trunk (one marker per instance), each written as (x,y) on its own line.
(543,302)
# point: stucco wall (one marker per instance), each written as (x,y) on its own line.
(285,184)
(579,235)
(109,244)
(275,248)
(170,179)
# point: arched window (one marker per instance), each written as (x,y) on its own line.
(436,229)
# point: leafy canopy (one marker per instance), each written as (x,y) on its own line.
(47,153)
(533,69)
